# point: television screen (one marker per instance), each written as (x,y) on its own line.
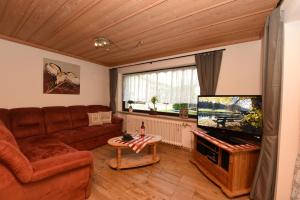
(234,113)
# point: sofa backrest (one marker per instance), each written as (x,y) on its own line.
(57,118)
(79,116)
(26,122)
(6,135)
(97,108)
(4,117)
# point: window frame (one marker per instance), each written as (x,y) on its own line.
(147,111)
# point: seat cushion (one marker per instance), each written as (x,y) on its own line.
(85,133)
(112,127)
(79,116)
(7,136)
(57,118)
(76,135)
(42,147)
(27,122)
(101,129)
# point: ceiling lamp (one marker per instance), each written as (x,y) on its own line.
(101,42)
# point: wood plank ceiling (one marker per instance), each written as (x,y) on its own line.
(139,29)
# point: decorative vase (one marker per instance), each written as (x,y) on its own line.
(184,113)
(130,109)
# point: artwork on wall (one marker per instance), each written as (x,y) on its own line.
(61,77)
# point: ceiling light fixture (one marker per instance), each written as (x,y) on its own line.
(101,42)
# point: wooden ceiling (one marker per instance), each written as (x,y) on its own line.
(139,29)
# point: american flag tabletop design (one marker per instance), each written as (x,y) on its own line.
(137,144)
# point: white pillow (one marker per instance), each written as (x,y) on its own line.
(106,116)
(95,119)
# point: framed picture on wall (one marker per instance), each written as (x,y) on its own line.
(60,77)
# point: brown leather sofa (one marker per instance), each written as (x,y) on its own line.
(39,151)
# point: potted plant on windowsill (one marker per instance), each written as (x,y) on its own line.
(130,102)
(154,101)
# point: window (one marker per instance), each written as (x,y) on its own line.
(175,89)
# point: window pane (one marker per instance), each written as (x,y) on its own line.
(172,87)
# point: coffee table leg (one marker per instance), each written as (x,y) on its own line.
(154,152)
(118,154)
(150,149)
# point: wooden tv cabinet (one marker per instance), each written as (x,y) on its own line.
(231,167)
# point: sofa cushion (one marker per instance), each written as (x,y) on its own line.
(42,147)
(79,116)
(4,117)
(57,119)
(95,119)
(97,108)
(7,136)
(26,122)
(106,116)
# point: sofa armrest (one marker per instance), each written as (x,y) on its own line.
(55,165)
(116,120)
(13,159)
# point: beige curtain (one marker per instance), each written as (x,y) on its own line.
(208,69)
(263,187)
(113,82)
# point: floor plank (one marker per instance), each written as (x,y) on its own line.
(173,178)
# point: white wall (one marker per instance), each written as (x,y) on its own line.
(21,79)
(240,70)
(290,108)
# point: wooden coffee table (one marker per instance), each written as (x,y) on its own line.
(134,159)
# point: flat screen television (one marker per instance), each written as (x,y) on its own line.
(235,115)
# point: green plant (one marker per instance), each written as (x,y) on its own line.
(253,119)
(154,101)
(178,106)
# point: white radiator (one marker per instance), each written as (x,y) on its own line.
(169,130)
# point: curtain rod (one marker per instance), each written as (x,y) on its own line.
(150,62)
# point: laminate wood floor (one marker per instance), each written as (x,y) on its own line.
(173,178)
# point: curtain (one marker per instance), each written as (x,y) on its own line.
(208,69)
(113,82)
(263,187)
(171,86)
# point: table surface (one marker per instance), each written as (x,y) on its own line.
(112,142)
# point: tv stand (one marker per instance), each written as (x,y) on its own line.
(229,164)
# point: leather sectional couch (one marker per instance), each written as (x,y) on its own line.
(39,151)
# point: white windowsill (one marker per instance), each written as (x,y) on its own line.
(159,116)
